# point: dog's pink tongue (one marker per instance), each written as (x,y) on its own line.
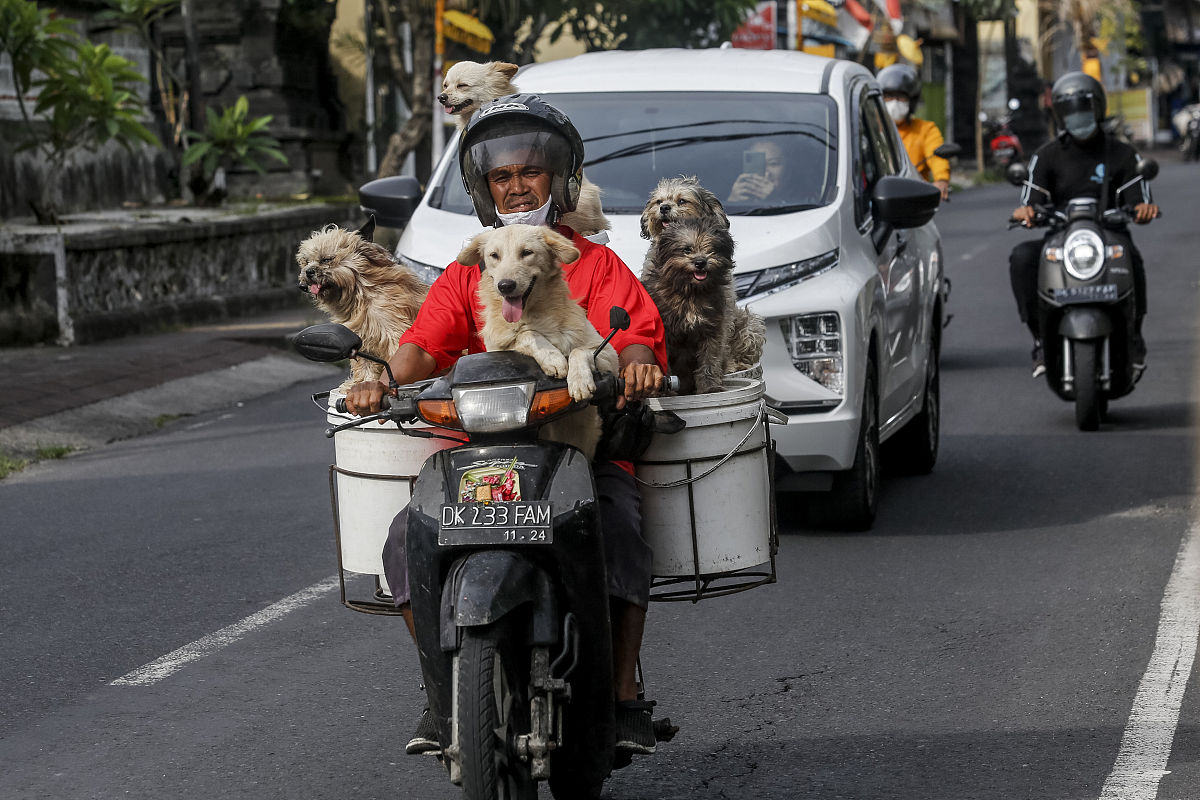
(512,309)
(700,275)
(314,288)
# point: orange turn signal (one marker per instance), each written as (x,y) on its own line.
(549,403)
(439,412)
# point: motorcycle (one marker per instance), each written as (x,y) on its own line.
(1187,122)
(1086,299)
(506,569)
(1003,144)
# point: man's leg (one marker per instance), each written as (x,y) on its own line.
(1138,354)
(1023,275)
(628,625)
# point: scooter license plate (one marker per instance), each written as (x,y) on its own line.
(1098,293)
(516,523)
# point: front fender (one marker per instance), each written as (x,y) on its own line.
(1085,323)
(485,585)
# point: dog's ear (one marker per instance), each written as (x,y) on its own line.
(368,229)
(560,245)
(713,204)
(472,251)
(645,220)
(506,69)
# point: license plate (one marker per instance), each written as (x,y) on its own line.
(1098,293)
(522,522)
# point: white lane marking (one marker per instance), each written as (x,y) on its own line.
(171,663)
(1146,745)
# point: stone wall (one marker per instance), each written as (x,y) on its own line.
(111,274)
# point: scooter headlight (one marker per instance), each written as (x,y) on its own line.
(490,409)
(1084,254)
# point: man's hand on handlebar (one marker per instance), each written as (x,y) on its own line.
(1024,215)
(365,398)
(641,380)
(1144,212)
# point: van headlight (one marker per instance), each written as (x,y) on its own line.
(776,279)
(426,273)
(814,341)
(1083,254)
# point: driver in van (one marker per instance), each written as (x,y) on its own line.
(521,161)
(763,165)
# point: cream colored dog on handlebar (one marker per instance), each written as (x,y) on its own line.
(527,307)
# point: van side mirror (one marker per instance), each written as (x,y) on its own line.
(904,202)
(392,200)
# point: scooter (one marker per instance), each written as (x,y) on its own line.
(1086,300)
(506,572)
(1003,144)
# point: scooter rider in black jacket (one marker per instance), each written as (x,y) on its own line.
(1080,162)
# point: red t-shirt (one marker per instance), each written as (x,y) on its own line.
(598,280)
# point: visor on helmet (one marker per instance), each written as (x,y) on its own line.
(507,143)
(1077,114)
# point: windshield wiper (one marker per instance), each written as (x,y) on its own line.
(764,212)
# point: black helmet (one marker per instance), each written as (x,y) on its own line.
(901,78)
(1079,104)
(527,128)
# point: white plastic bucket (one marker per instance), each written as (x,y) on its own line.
(375,467)
(707,503)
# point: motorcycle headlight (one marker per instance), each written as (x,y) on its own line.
(776,279)
(1084,254)
(426,273)
(490,409)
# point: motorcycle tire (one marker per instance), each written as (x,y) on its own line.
(1087,384)
(1193,150)
(492,710)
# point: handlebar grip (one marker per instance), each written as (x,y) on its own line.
(670,383)
(384,404)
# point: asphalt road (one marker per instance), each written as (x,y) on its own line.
(986,641)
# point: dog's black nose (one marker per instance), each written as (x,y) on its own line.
(310,273)
(506,286)
(699,262)
(442,98)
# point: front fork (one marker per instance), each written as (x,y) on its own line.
(547,699)
(1068,368)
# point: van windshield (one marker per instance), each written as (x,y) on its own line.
(787,143)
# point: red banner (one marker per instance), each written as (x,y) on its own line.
(757,32)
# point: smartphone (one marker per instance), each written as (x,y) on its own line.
(754,161)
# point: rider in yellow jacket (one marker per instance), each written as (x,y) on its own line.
(901,90)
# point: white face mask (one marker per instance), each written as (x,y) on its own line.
(898,109)
(536,217)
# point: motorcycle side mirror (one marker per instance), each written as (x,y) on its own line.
(330,341)
(1148,169)
(1013,104)
(327,342)
(618,320)
(948,150)
(1017,174)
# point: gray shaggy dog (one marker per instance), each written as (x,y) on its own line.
(689,274)
(679,198)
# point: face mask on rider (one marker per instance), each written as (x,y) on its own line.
(1080,124)
(898,109)
(535,217)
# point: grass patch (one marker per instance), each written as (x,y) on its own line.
(47,452)
(10,464)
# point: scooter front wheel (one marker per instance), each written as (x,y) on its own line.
(492,710)
(1087,384)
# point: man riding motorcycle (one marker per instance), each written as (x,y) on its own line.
(901,87)
(1080,162)
(521,162)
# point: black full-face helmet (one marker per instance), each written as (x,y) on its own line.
(903,79)
(1079,104)
(521,129)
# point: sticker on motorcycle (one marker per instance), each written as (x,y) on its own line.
(490,484)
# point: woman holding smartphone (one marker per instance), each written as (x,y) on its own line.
(763,166)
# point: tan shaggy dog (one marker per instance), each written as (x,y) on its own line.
(358,284)
(674,199)
(689,274)
(468,85)
(527,307)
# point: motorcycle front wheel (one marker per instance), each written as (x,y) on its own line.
(492,710)
(1087,384)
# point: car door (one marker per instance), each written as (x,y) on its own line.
(897,262)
